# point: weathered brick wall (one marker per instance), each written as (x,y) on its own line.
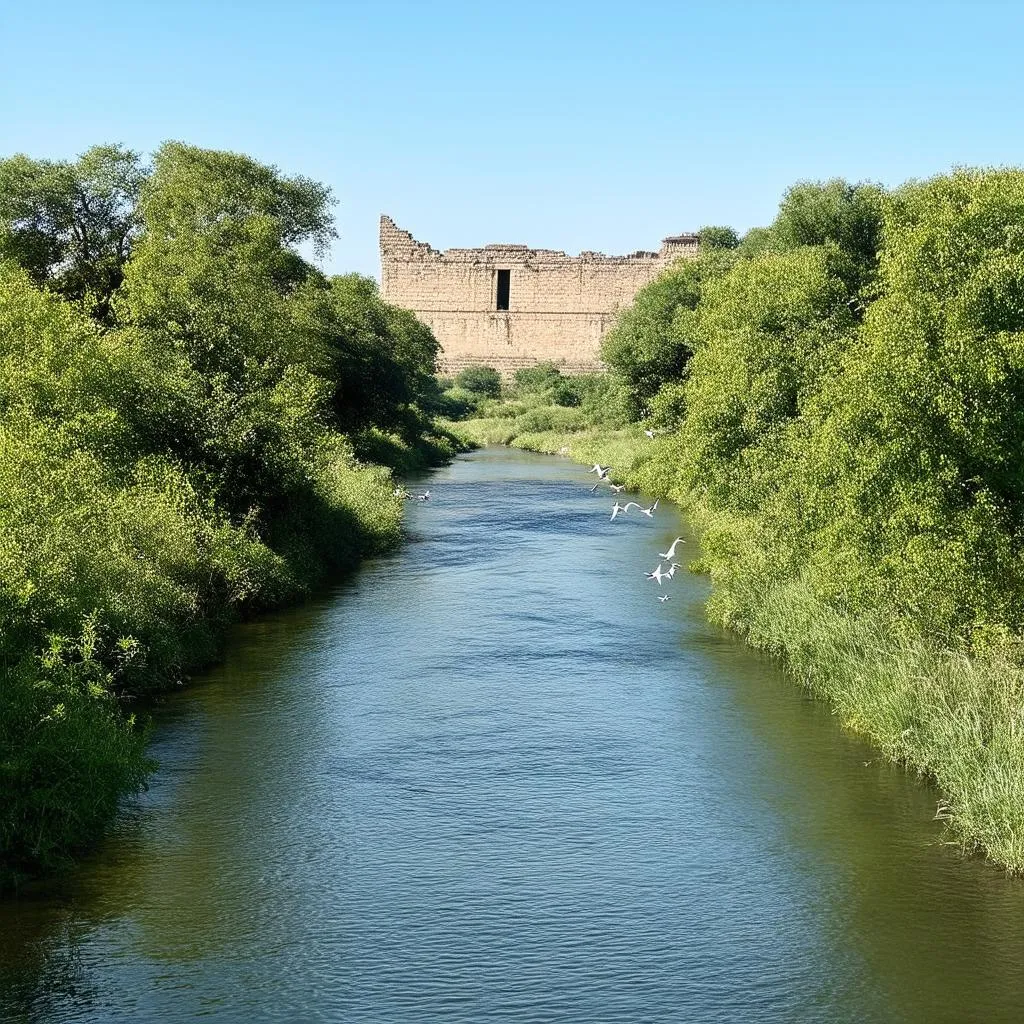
(559,305)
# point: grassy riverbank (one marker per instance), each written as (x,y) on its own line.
(837,404)
(196,425)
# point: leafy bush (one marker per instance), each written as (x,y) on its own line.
(536,379)
(457,403)
(481,380)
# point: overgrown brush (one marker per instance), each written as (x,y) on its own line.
(195,424)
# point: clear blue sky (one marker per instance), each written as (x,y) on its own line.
(568,125)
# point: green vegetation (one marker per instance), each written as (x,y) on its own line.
(718,237)
(480,380)
(191,413)
(837,403)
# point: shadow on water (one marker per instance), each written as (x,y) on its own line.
(492,778)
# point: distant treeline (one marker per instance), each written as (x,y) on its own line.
(838,401)
(189,416)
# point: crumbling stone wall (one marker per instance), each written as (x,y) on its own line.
(559,305)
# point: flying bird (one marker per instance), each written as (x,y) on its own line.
(617,508)
(665,597)
(649,512)
(670,554)
(659,574)
(602,474)
(617,487)
(425,496)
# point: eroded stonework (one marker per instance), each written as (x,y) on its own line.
(559,306)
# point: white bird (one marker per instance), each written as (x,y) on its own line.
(617,487)
(617,508)
(672,569)
(649,512)
(602,474)
(425,496)
(668,555)
(651,434)
(659,574)
(665,597)
(401,492)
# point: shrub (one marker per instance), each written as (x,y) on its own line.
(481,380)
(537,378)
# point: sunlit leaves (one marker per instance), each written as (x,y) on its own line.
(72,224)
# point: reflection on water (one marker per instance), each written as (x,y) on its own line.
(493,779)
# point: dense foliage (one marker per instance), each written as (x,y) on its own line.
(481,380)
(186,410)
(837,400)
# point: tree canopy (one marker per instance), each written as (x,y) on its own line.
(71,224)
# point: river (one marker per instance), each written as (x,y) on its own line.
(492,778)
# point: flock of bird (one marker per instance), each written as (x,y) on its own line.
(660,573)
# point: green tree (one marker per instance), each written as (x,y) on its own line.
(71,224)
(770,331)
(755,242)
(653,339)
(917,469)
(850,216)
(716,237)
(380,359)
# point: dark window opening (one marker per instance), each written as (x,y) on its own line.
(504,279)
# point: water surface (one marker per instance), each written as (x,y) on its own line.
(492,778)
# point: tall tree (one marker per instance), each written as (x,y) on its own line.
(71,224)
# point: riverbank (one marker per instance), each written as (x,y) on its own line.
(73,742)
(834,401)
(196,425)
(954,719)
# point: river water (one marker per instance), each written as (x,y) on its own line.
(492,778)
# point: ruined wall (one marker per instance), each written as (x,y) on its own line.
(559,305)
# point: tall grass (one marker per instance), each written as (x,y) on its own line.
(957,720)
